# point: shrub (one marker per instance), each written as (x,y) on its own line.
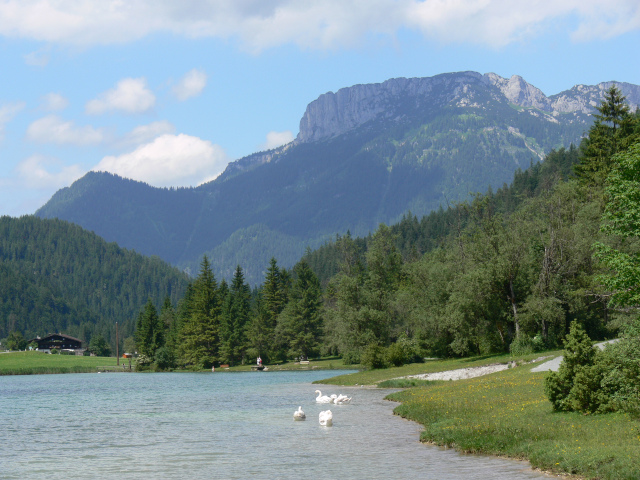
(165,360)
(598,381)
(402,352)
(373,357)
(522,345)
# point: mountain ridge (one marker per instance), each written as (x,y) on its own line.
(364,155)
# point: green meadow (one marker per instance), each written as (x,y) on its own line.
(31,363)
(507,413)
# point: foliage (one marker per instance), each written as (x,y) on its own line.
(99,346)
(572,386)
(621,219)
(199,317)
(299,325)
(234,321)
(614,129)
(165,359)
(57,277)
(373,357)
(15,341)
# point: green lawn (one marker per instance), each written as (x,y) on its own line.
(507,413)
(28,363)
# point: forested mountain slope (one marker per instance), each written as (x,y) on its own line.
(57,277)
(364,155)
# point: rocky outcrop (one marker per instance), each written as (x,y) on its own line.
(333,114)
(336,113)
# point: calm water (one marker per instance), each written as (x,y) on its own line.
(215,426)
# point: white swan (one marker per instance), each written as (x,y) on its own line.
(322,398)
(333,398)
(326,418)
(299,414)
(342,399)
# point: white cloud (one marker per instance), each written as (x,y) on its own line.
(169,160)
(7,112)
(277,139)
(130,95)
(37,59)
(52,129)
(42,172)
(146,133)
(54,102)
(190,85)
(312,25)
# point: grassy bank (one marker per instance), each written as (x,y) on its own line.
(31,363)
(507,413)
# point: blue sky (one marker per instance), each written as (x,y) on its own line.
(169,91)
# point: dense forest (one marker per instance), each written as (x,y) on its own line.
(57,277)
(508,270)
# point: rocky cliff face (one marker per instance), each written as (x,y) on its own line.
(335,113)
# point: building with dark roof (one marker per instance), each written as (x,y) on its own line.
(58,341)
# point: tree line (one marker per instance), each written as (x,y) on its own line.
(507,271)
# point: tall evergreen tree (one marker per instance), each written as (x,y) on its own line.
(235,318)
(300,323)
(149,331)
(200,322)
(614,130)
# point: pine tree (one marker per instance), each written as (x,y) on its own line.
(149,333)
(235,318)
(614,129)
(200,322)
(300,323)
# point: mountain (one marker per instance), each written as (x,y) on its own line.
(57,277)
(364,155)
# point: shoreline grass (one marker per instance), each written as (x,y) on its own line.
(507,414)
(39,363)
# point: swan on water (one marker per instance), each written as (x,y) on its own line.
(326,418)
(322,398)
(342,399)
(299,414)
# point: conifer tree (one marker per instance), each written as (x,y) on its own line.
(149,331)
(235,318)
(614,129)
(200,322)
(300,323)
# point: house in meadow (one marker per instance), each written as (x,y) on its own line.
(59,341)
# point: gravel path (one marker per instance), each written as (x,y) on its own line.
(461,373)
(553,365)
(471,372)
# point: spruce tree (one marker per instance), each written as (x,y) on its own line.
(300,323)
(614,129)
(200,322)
(235,318)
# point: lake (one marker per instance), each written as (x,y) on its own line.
(216,425)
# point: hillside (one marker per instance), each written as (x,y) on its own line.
(364,155)
(57,277)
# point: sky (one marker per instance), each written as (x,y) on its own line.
(168,92)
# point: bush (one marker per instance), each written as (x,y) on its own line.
(351,357)
(522,345)
(165,360)
(373,357)
(579,355)
(402,352)
(594,381)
